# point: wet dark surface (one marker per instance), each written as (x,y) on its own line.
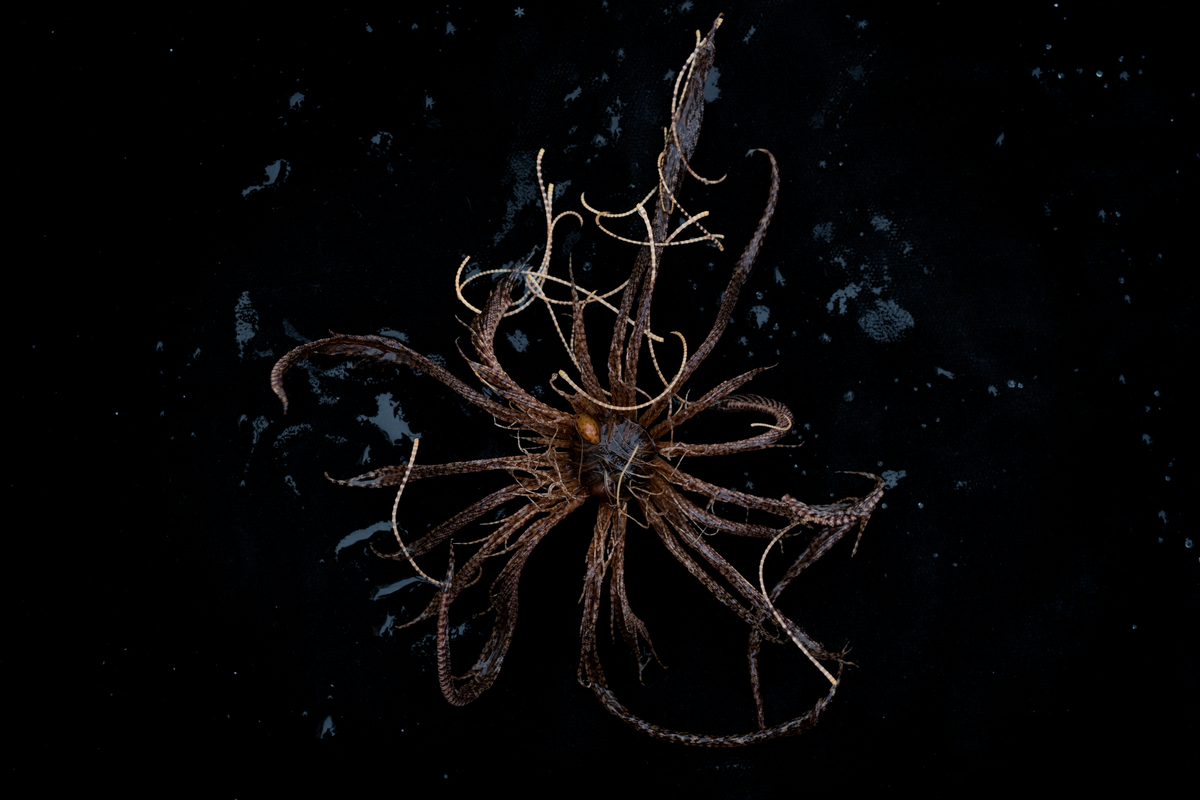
(976,280)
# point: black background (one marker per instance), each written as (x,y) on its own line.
(1006,192)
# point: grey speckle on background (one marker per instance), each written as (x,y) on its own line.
(518,340)
(760,314)
(886,322)
(246,325)
(389,418)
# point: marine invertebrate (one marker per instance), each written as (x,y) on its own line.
(616,448)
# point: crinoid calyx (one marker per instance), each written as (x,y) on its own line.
(614,447)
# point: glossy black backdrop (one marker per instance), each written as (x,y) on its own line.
(1013,185)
